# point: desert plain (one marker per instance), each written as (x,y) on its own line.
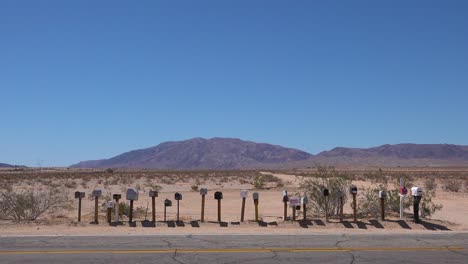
(450,185)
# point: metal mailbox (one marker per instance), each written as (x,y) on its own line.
(285,196)
(340,194)
(326,192)
(203,191)
(97,193)
(403,190)
(255,195)
(353,190)
(117,196)
(167,202)
(109,204)
(304,200)
(79,195)
(382,194)
(132,194)
(218,195)
(416,191)
(153,193)
(177,196)
(244,193)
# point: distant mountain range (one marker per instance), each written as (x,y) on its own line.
(4,165)
(230,153)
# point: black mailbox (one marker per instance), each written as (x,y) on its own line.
(326,192)
(117,196)
(177,196)
(218,195)
(353,190)
(298,207)
(167,202)
(285,198)
(79,195)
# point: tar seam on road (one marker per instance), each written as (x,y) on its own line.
(240,250)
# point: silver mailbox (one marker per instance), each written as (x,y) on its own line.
(255,195)
(304,200)
(110,204)
(132,194)
(416,191)
(203,191)
(153,193)
(244,193)
(97,193)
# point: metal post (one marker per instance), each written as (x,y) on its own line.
(177,210)
(109,218)
(153,209)
(243,209)
(131,211)
(165,213)
(79,209)
(294,213)
(96,207)
(285,217)
(402,198)
(256,210)
(326,209)
(305,211)
(219,210)
(354,208)
(382,206)
(203,208)
(341,209)
(116,211)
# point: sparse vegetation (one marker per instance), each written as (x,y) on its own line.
(452,185)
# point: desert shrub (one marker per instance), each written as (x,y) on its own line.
(259,182)
(369,201)
(325,177)
(31,204)
(110,171)
(452,185)
(194,188)
(430,184)
(70,184)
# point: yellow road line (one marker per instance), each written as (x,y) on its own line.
(221,250)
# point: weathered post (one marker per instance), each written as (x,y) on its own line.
(219,196)
(326,193)
(178,197)
(341,196)
(167,203)
(79,196)
(304,202)
(255,198)
(153,195)
(353,192)
(285,202)
(132,195)
(96,194)
(203,192)
(243,195)
(382,196)
(117,207)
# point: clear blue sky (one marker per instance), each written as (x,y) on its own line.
(86,80)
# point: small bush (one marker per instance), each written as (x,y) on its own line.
(194,188)
(452,185)
(29,205)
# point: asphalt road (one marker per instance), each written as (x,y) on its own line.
(318,248)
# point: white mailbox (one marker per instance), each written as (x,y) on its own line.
(382,194)
(304,200)
(255,195)
(416,191)
(132,194)
(110,204)
(203,191)
(244,193)
(97,193)
(285,193)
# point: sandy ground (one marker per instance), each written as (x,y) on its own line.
(453,216)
